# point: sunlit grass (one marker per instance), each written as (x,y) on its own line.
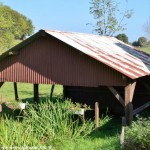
(33,132)
(25,90)
(146,49)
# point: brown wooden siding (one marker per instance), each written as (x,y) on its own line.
(50,61)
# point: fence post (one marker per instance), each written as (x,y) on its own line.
(36,93)
(122,132)
(0,106)
(96,115)
(16,91)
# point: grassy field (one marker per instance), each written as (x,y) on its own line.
(106,138)
(146,49)
(25,91)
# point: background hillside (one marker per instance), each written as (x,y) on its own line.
(146,49)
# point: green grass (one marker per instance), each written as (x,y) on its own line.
(146,49)
(25,91)
(106,138)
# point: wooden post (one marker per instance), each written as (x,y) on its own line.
(96,115)
(1,83)
(64,92)
(16,91)
(122,132)
(0,106)
(52,90)
(129,92)
(36,93)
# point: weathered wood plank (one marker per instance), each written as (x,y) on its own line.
(141,108)
(132,91)
(129,92)
(96,115)
(116,94)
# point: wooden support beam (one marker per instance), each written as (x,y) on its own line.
(129,92)
(52,90)
(141,108)
(16,91)
(132,90)
(36,93)
(1,83)
(96,115)
(116,94)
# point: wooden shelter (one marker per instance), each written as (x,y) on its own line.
(81,61)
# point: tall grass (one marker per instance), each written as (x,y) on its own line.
(49,123)
(32,131)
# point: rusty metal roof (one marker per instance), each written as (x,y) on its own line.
(114,53)
(108,50)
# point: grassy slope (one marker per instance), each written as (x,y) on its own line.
(106,139)
(146,49)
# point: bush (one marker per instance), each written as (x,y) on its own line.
(138,136)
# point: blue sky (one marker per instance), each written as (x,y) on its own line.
(72,15)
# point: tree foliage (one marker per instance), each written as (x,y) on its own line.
(109,18)
(122,37)
(142,41)
(13,26)
(135,43)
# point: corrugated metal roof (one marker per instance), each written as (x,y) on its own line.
(108,50)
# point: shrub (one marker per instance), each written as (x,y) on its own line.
(138,136)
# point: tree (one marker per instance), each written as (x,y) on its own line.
(107,14)
(142,41)
(122,37)
(135,43)
(13,26)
